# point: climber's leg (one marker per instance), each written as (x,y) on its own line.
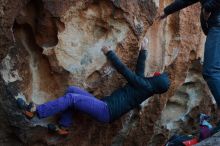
(66,118)
(77,90)
(87,104)
(54,107)
(211,66)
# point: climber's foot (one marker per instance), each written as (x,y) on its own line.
(52,128)
(28,109)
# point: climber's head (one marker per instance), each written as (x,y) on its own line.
(157,74)
(160,82)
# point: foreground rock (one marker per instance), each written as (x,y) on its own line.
(48,45)
(212,141)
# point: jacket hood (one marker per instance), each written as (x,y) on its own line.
(160,84)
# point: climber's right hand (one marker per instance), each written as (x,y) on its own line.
(105,50)
(162,16)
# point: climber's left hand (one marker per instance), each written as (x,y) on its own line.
(105,49)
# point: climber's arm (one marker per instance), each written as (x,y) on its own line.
(140,66)
(130,76)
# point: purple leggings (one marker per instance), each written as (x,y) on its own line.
(78,99)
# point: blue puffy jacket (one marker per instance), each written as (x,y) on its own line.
(138,88)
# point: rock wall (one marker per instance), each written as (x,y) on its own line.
(212,141)
(49,45)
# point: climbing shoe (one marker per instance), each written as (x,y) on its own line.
(52,128)
(28,109)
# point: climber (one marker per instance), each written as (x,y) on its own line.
(109,108)
(210,22)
